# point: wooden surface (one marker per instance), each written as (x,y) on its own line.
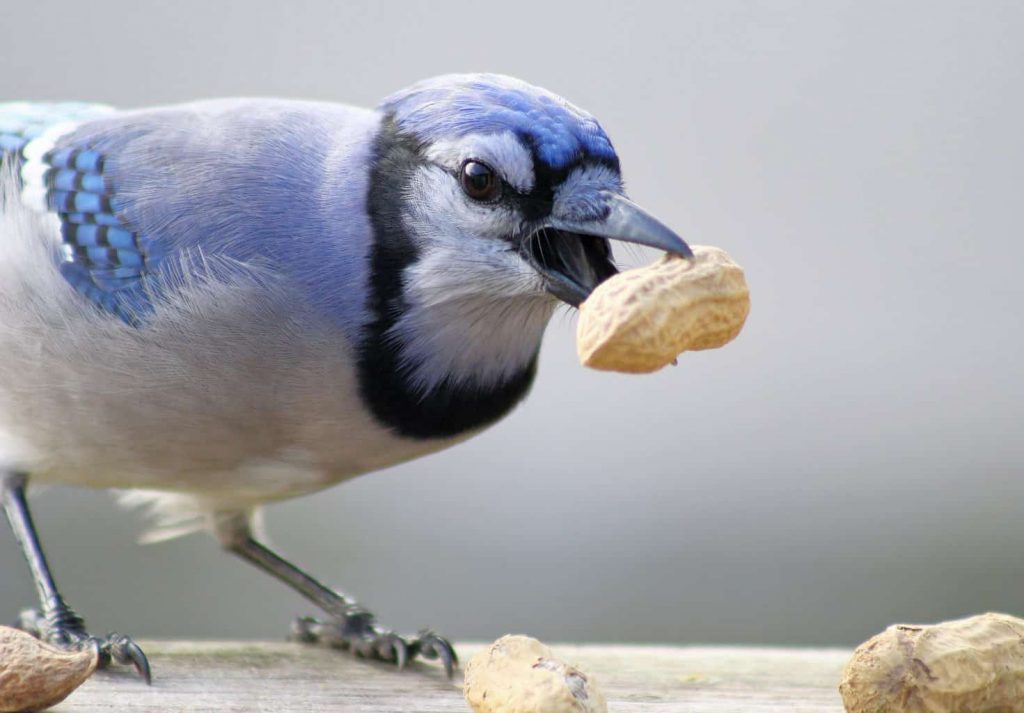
(251,676)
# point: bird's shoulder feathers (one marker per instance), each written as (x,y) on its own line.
(145,196)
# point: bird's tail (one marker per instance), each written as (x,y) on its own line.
(174,515)
(171,515)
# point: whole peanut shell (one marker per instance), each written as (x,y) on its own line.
(640,320)
(35,675)
(973,665)
(517,674)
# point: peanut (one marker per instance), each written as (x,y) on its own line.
(35,675)
(517,674)
(640,320)
(963,666)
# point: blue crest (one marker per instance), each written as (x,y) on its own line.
(459,104)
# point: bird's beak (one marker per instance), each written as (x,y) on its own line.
(573,256)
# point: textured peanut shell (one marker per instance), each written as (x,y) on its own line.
(517,674)
(640,320)
(35,675)
(971,665)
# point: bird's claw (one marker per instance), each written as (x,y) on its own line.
(124,651)
(356,632)
(67,631)
(431,646)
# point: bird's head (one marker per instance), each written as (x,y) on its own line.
(489,198)
(508,188)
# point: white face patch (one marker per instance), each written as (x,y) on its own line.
(476,310)
(503,152)
(471,320)
(471,248)
(438,210)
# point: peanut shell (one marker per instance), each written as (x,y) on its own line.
(963,666)
(35,675)
(517,674)
(640,320)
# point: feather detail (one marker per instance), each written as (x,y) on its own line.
(171,515)
(456,105)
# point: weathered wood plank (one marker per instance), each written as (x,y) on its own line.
(257,676)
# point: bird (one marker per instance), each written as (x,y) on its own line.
(212,306)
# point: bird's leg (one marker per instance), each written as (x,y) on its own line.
(55,621)
(350,627)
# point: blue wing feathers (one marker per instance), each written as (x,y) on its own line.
(63,179)
(21,122)
(12,143)
(95,235)
(91,218)
(105,258)
(148,200)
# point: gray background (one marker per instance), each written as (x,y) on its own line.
(852,460)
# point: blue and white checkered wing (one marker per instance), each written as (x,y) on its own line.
(104,257)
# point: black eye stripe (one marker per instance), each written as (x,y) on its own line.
(535,204)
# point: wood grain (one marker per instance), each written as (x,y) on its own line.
(260,676)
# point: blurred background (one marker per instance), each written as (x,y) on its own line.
(853,459)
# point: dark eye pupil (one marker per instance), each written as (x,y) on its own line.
(479,181)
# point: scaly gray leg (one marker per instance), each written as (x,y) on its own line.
(55,621)
(350,627)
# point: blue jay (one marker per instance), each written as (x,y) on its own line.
(222,304)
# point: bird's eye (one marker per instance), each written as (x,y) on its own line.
(479,181)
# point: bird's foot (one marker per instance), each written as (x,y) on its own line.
(356,631)
(65,629)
